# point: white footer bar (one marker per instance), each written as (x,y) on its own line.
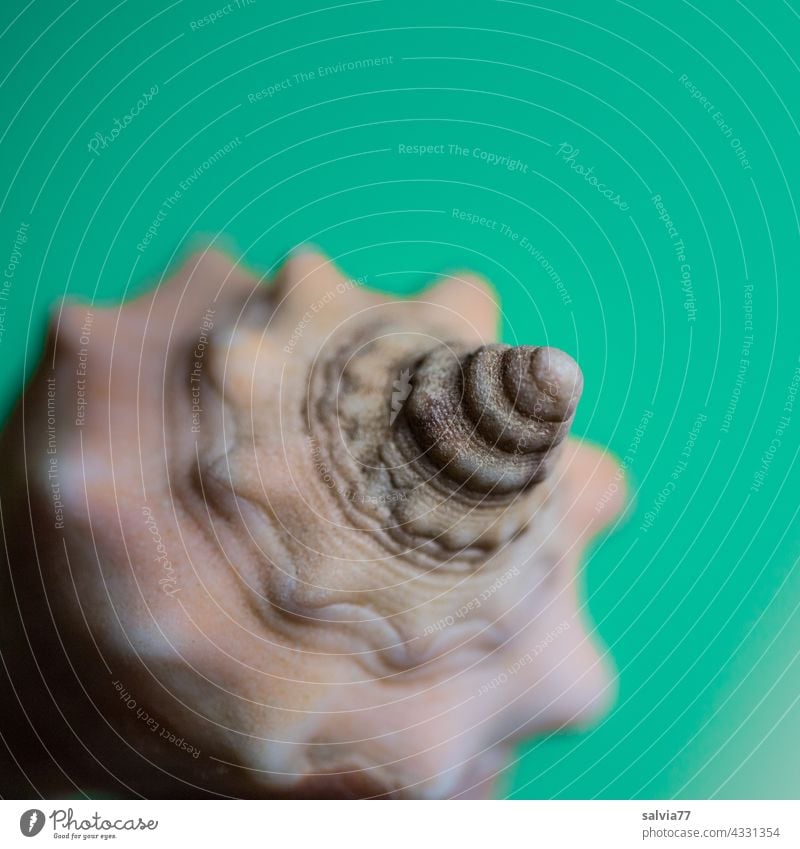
(405,825)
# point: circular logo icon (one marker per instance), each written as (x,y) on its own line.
(31,822)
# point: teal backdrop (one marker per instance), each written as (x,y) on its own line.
(625,173)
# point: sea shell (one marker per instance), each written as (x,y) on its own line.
(293,539)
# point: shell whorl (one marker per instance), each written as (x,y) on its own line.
(488,420)
(460,463)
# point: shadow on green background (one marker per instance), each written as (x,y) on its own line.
(670,270)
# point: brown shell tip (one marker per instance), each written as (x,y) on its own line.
(489,418)
(545,383)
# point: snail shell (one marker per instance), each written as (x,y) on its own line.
(301,527)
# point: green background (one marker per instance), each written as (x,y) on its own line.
(700,610)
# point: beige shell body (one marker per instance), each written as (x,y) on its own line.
(255,549)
